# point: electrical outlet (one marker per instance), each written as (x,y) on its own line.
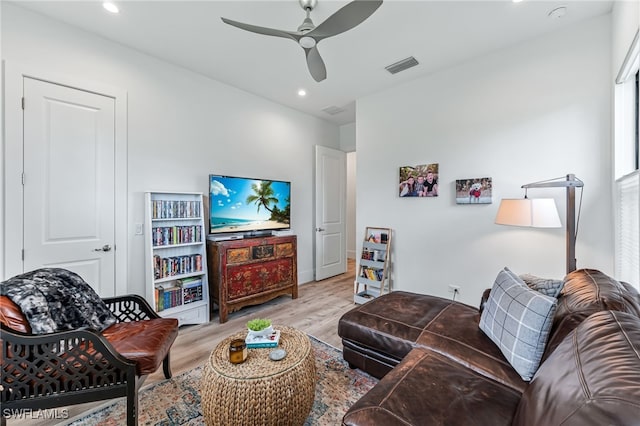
(454,289)
(139,229)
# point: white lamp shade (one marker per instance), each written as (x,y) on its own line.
(530,212)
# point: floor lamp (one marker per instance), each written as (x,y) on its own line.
(542,212)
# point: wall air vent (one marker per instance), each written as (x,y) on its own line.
(333,110)
(402,65)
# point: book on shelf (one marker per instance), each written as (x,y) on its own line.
(270,341)
(191,290)
(176,265)
(374,255)
(159,293)
(374,274)
(173,235)
(168,297)
(378,237)
(169,209)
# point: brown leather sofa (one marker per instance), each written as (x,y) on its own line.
(438,368)
(83,365)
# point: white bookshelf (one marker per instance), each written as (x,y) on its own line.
(372,273)
(176,256)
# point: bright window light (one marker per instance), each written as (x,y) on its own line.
(110,7)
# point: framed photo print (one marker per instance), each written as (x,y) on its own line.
(474,191)
(419,181)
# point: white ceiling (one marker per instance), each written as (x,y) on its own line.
(439,34)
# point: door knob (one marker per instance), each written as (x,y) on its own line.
(105,247)
(319,229)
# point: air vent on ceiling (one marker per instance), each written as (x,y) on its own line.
(402,65)
(333,110)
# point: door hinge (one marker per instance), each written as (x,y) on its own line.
(23,102)
(22,177)
(23,254)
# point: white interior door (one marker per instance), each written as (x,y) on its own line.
(331,170)
(69,163)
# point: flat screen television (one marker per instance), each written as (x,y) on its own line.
(246,205)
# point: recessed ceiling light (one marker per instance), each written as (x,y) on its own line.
(302,93)
(110,7)
(516,1)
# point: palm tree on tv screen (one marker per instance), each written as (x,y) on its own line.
(263,195)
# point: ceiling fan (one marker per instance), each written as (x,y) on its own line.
(308,35)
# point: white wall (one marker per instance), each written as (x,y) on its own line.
(181,125)
(625,19)
(348,144)
(348,137)
(535,111)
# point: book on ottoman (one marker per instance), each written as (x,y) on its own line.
(270,341)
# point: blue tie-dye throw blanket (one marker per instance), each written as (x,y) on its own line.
(55,299)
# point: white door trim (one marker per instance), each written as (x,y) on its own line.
(11,214)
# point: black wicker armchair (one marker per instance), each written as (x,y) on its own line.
(83,365)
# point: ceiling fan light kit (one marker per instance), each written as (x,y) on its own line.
(308,35)
(307,42)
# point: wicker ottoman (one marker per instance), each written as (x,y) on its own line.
(260,391)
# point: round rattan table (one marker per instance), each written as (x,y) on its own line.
(260,391)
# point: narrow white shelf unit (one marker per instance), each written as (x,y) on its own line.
(372,272)
(176,256)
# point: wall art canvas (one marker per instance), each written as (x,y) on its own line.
(474,191)
(419,181)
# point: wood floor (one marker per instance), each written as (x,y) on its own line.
(316,311)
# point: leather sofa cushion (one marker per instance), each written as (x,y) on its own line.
(585,292)
(427,388)
(145,342)
(395,323)
(593,376)
(391,324)
(455,333)
(12,317)
(588,291)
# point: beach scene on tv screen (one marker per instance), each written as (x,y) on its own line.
(240,204)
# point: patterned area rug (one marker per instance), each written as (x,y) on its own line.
(177,401)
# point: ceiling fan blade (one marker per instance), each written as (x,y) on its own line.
(316,64)
(263,30)
(345,18)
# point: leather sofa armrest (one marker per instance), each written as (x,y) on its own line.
(131,307)
(483,299)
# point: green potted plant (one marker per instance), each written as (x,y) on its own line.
(259,327)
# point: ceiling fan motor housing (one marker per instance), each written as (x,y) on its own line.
(306,26)
(308,4)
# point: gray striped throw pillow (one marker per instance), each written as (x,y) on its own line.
(518,320)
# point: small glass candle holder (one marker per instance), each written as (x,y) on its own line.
(237,351)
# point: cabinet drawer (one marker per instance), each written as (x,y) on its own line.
(284,250)
(245,280)
(238,255)
(197,315)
